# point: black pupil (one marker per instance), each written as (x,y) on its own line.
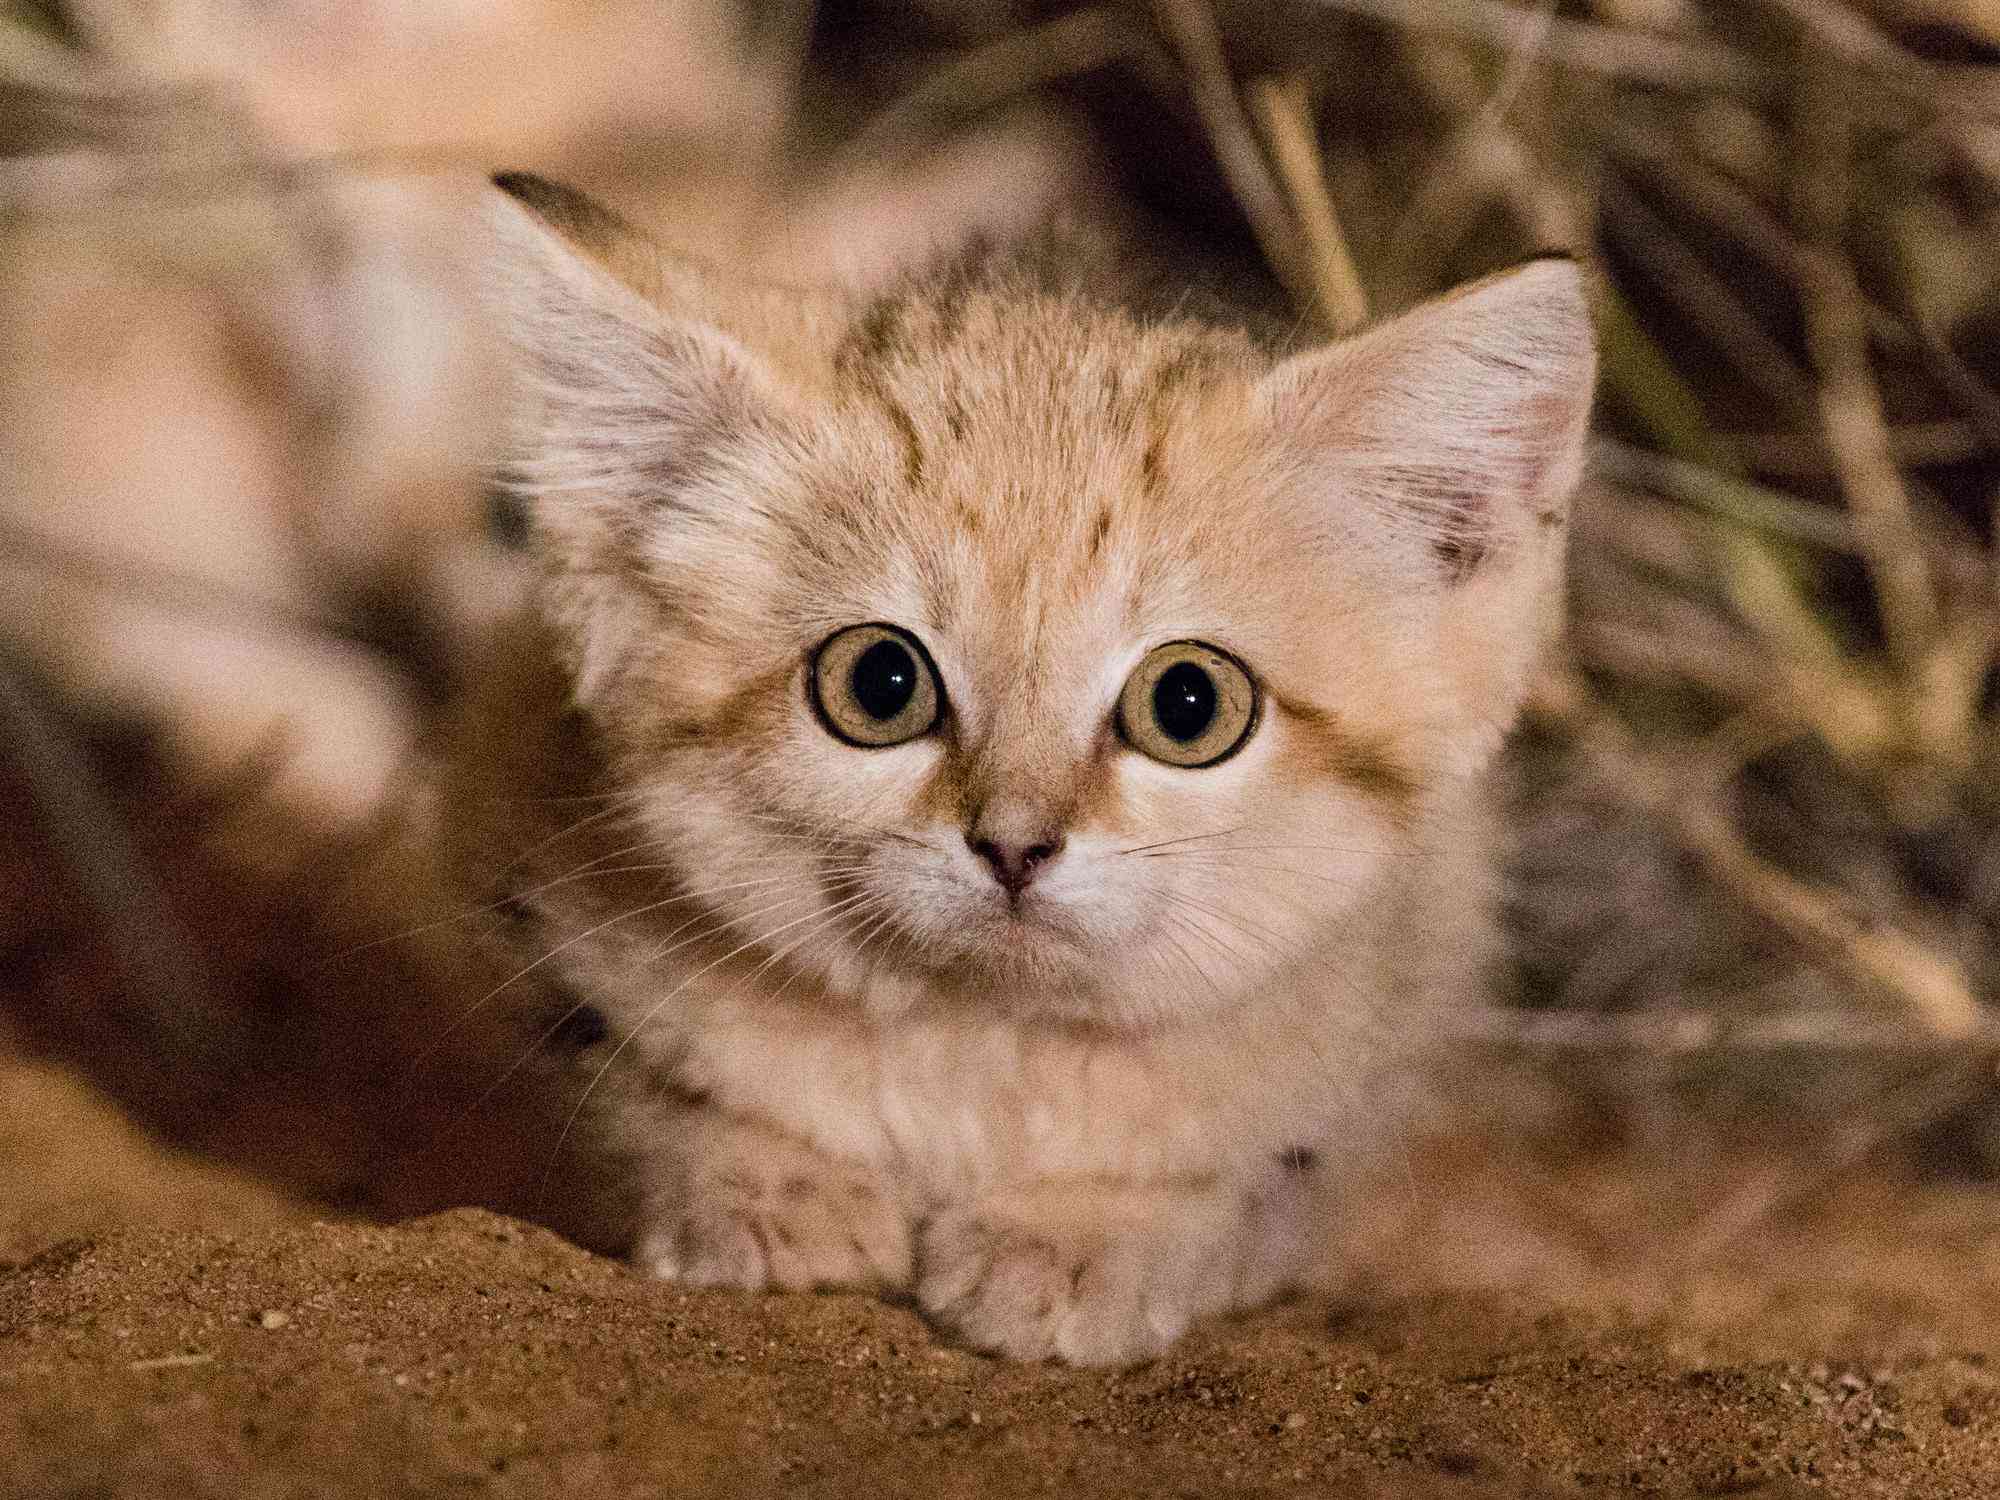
(1184,701)
(885,679)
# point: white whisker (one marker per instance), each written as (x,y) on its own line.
(1188,838)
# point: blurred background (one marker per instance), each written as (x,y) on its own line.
(246,555)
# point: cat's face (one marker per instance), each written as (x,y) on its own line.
(1011,655)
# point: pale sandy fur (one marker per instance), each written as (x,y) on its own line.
(1074,1123)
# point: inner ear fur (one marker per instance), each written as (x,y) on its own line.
(1459,429)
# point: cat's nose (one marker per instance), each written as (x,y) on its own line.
(1015,865)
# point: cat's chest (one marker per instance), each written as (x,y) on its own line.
(949,1104)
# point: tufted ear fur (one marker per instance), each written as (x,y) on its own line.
(626,389)
(620,376)
(1459,428)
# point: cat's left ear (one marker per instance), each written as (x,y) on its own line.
(1456,433)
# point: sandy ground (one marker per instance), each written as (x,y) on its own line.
(171,1328)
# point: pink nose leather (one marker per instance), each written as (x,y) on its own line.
(1014,865)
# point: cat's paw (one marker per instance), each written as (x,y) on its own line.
(752,1209)
(1084,1288)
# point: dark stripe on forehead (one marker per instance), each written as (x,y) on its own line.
(1177,373)
(901,326)
(880,338)
(947,311)
(1099,532)
(1150,463)
(1185,368)
(1359,759)
(905,428)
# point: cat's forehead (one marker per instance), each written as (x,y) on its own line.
(1030,364)
(1035,454)
(1022,479)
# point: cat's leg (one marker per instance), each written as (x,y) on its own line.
(730,1202)
(1106,1273)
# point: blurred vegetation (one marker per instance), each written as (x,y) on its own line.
(1760,801)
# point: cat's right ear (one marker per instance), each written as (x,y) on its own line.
(623,384)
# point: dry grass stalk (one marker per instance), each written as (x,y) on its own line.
(1794,455)
(1927,986)
(1283,107)
(1709,303)
(1275,217)
(1725,497)
(1551,213)
(1686,1032)
(1850,404)
(1009,67)
(1583,45)
(1898,1111)
(1452,187)
(165,978)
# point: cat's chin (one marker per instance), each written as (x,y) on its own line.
(1014,966)
(1016,970)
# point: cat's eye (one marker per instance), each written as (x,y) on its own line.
(874,685)
(1188,704)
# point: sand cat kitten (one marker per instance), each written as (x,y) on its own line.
(1041,755)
